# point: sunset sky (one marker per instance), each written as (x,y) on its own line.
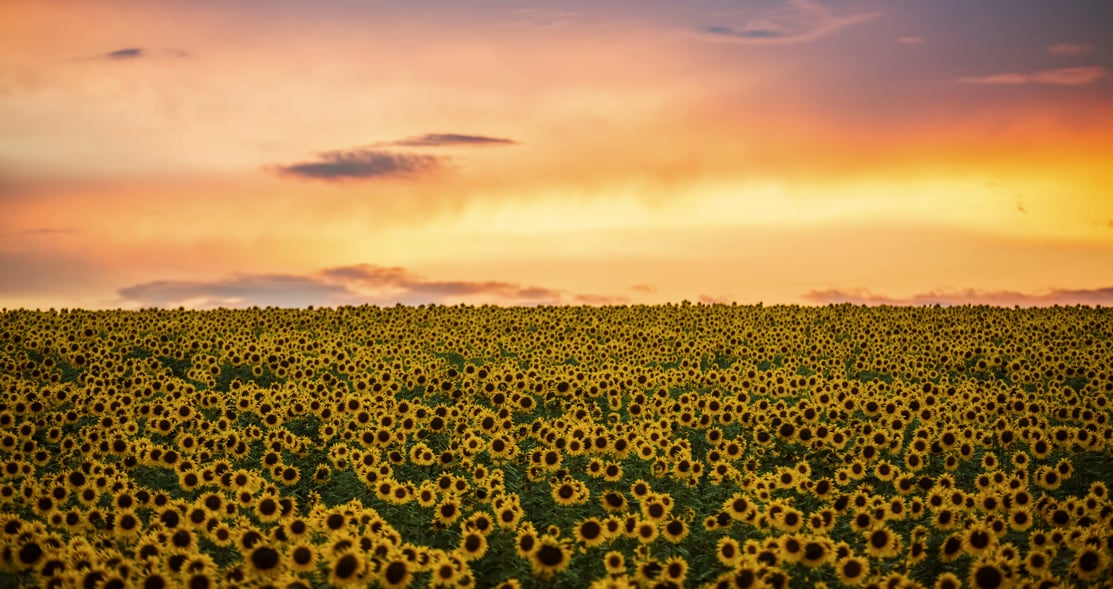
(207,153)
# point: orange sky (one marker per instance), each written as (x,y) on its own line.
(292,152)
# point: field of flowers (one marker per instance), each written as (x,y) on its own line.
(667,446)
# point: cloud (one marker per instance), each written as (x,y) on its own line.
(345,285)
(715,300)
(1097,296)
(911,40)
(125,53)
(1069,49)
(450,140)
(1068,76)
(361,164)
(797,21)
(47,231)
(644,288)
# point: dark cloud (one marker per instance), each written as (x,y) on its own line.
(361,164)
(799,21)
(1096,296)
(749,33)
(451,140)
(125,53)
(345,285)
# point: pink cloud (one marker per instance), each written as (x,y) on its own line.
(1068,76)
(346,285)
(1069,49)
(1096,296)
(911,40)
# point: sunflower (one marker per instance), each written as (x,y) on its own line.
(472,546)
(301,557)
(613,501)
(590,532)
(267,508)
(852,570)
(1089,564)
(612,472)
(640,489)
(738,506)
(656,507)
(816,552)
(948,581)
(527,541)
(988,575)
(728,551)
(263,560)
(346,568)
(614,562)
(396,573)
(447,511)
(1037,562)
(977,539)
(645,531)
(951,548)
(675,530)
(881,542)
(550,558)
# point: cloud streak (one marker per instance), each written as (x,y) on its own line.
(451,140)
(1068,76)
(345,285)
(799,21)
(361,164)
(1069,49)
(1097,296)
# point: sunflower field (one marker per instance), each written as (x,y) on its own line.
(626,446)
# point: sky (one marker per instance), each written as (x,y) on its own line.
(205,153)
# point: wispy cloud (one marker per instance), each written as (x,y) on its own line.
(450,140)
(362,164)
(715,300)
(644,288)
(48,231)
(796,21)
(1069,49)
(911,40)
(345,285)
(1068,76)
(1096,296)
